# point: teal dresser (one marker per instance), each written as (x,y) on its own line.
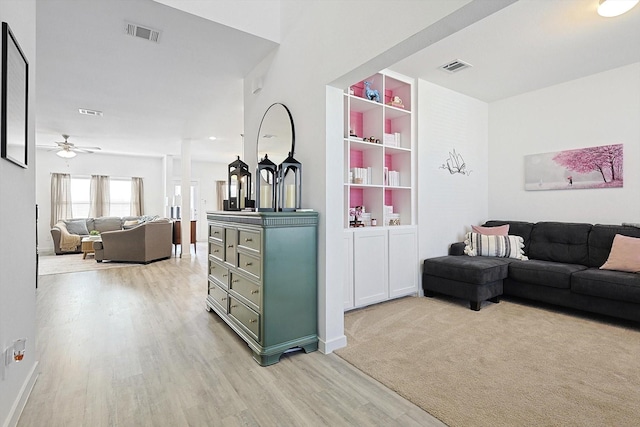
(263,279)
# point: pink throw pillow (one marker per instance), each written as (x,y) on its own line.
(624,255)
(501,230)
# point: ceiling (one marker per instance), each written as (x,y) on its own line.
(529,45)
(190,84)
(152,95)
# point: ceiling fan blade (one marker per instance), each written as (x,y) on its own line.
(82,147)
(82,150)
(48,147)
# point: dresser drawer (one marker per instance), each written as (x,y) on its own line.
(219,297)
(250,240)
(249,264)
(230,243)
(247,317)
(219,272)
(246,288)
(216,232)
(216,249)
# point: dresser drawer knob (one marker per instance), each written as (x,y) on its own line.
(223,299)
(224,275)
(230,246)
(248,239)
(216,232)
(252,320)
(234,306)
(248,263)
(254,292)
(216,251)
(235,281)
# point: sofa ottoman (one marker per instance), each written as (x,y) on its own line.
(475,279)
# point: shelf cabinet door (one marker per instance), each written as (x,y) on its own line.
(403,261)
(370,266)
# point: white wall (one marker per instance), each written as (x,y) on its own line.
(321,42)
(449,203)
(148,168)
(18,231)
(596,110)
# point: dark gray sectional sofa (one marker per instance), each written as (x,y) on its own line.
(563,269)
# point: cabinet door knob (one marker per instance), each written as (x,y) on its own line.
(254,292)
(223,299)
(235,281)
(248,239)
(248,263)
(216,232)
(234,306)
(215,251)
(230,246)
(252,320)
(224,275)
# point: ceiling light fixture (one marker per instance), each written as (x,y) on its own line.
(66,154)
(611,8)
(213,138)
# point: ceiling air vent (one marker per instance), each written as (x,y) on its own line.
(90,112)
(455,66)
(142,32)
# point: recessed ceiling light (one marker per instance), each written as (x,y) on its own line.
(611,8)
(213,138)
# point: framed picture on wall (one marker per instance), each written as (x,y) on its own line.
(14,105)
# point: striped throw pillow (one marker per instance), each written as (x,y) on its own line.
(498,246)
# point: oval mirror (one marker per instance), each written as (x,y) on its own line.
(276,135)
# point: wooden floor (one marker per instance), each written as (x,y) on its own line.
(136,347)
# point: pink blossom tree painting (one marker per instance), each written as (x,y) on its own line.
(591,167)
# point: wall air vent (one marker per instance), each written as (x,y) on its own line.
(455,66)
(142,32)
(90,112)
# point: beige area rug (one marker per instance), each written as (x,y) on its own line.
(510,364)
(72,263)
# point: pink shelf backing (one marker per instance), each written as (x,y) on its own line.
(388,161)
(387,126)
(388,95)
(356,123)
(358,89)
(355,159)
(388,198)
(356,197)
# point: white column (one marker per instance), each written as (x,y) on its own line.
(185,208)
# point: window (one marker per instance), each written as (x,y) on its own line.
(80,200)
(120,192)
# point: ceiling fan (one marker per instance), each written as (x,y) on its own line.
(68,150)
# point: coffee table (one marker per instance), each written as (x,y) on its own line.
(87,246)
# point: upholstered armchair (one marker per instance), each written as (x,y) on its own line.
(147,242)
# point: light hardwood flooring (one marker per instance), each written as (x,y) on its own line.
(136,347)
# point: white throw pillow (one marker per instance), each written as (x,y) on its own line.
(498,246)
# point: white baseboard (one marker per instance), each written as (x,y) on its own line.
(21,399)
(327,347)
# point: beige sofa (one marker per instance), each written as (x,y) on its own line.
(67,234)
(144,243)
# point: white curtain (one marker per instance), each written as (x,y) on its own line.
(221,193)
(137,197)
(60,197)
(99,196)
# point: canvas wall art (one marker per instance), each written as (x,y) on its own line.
(591,167)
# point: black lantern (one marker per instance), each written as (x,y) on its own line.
(239,185)
(266,185)
(289,185)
